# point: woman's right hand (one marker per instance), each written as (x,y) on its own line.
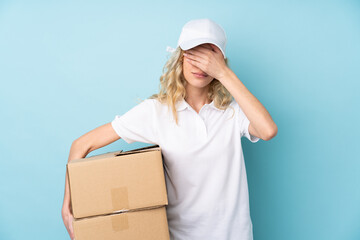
(68,218)
(97,138)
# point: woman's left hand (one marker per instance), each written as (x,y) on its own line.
(209,61)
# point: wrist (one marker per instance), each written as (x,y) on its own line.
(224,74)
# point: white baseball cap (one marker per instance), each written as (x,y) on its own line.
(200,31)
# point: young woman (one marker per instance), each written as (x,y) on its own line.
(198,118)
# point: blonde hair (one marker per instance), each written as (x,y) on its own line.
(172,85)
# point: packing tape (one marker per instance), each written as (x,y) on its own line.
(119,222)
(120,201)
(119,198)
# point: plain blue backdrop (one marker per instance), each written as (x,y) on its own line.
(67,67)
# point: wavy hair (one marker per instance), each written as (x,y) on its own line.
(172,85)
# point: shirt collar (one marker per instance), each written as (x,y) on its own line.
(182,105)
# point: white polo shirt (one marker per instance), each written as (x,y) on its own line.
(204,166)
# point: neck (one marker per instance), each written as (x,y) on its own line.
(197,97)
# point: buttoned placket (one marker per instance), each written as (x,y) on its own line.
(199,118)
(201,129)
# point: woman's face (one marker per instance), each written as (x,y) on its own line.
(190,70)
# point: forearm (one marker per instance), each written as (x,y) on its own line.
(77,150)
(256,113)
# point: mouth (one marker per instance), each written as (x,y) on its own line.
(200,75)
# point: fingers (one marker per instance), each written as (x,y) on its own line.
(68,222)
(189,58)
(192,61)
(196,54)
(71,230)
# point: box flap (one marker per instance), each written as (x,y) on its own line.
(117,153)
(144,149)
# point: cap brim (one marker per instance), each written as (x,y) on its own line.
(193,43)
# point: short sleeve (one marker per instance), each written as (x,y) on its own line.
(245,131)
(244,125)
(137,124)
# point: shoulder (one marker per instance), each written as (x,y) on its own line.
(233,103)
(237,110)
(233,107)
(148,102)
(155,102)
(236,106)
(151,100)
(155,105)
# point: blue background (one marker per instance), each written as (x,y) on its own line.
(68,67)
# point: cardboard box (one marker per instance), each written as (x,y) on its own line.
(117,181)
(137,225)
(119,195)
